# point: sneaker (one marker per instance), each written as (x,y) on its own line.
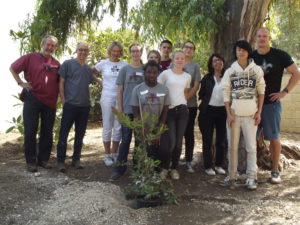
(61,167)
(108,160)
(77,165)
(210,172)
(164,174)
(31,167)
(228,183)
(220,170)
(251,184)
(275,177)
(114,157)
(174,174)
(115,176)
(189,167)
(44,164)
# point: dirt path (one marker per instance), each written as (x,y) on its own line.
(85,196)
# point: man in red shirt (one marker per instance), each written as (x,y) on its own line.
(40,91)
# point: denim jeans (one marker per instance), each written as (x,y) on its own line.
(124,148)
(177,121)
(34,110)
(189,136)
(72,115)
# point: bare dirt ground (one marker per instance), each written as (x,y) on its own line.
(84,197)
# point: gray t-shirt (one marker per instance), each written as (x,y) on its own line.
(151,99)
(77,80)
(194,70)
(129,77)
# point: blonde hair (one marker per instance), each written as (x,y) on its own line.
(113,44)
(176,52)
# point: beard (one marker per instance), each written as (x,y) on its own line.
(47,53)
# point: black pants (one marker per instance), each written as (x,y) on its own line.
(72,115)
(177,121)
(213,118)
(34,110)
(189,136)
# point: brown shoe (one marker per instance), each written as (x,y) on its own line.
(77,165)
(44,164)
(31,167)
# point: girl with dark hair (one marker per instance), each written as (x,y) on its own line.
(213,116)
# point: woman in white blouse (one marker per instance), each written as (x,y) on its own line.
(213,116)
(109,69)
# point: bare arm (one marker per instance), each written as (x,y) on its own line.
(194,90)
(62,90)
(292,69)
(164,114)
(120,98)
(230,118)
(22,84)
(136,112)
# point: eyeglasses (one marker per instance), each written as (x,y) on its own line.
(189,47)
(135,51)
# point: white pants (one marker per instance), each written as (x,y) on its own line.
(246,125)
(111,125)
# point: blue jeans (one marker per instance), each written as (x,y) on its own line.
(124,148)
(177,122)
(72,114)
(34,110)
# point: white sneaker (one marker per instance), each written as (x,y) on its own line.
(220,170)
(189,167)
(114,157)
(108,161)
(275,177)
(174,174)
(210,172)
(251,184)
(164,174)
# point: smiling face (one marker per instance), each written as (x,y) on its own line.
(179,60)
(188,49)
(49,47)
(151,74)
(262,38)
(136,53)
(82,51)
(165,49)
(153,56)
(217,64)
(115,54)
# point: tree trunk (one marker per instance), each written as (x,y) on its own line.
(244,17)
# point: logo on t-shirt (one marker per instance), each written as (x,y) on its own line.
(115,69)
(152,98)
(243,85)
(266,67)
(136,78)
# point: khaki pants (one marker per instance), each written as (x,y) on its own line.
(246,125)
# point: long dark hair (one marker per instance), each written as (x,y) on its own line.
(211,70)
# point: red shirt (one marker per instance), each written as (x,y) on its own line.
(165,64)
(42,74)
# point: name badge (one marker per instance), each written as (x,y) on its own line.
(139,74)
(160,94)
(144,92)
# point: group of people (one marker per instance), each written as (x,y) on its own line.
(247,95)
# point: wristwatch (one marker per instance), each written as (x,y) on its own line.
(286,90)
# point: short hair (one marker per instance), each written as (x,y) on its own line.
(191,43)
(151,63)
(135,44)
(176,52)
(244,45)
(156,53)
(45,38)
(166,41)
(211,70)
(112,45)
(81,43)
